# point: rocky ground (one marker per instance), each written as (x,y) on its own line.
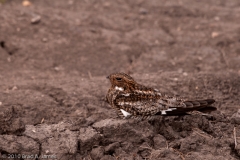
(55,55)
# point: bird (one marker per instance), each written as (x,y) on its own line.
(133,100)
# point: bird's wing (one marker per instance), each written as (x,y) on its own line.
(183,107)
(143,106)
(137,105)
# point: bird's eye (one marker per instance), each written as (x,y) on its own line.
(118,79)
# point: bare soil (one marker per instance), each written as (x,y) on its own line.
(55,55)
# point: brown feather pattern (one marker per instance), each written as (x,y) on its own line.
(131,99)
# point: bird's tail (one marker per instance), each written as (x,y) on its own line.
(203,106)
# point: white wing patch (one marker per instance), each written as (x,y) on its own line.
(169,109)
(127,94)
(125,113)
(119,88)
(121,103)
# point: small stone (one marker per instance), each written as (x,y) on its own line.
(145,149)
(56,68)
(185,73)
(214,34)
(159,142)
(14,88)
(216,18)
(44,39)
(26,3)
(236,117)
(88,137)
(112,147)
(106,4)
(97,153)
(163,153)
(143,11)
(1,103)
(127,146)
(36,19)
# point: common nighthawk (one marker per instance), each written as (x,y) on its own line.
(132,99)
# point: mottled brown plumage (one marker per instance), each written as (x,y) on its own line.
(131,99)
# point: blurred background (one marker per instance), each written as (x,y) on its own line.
(100,37)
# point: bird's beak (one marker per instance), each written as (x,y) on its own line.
(107,77)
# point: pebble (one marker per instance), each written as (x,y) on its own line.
(36,19)
(44,39)
(26,3)
(143,11)
(185,73)
(159,142)
(214,34)
(235,119)
(14,88)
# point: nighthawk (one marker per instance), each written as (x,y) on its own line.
(131,99)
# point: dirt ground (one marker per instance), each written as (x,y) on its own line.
(55,56)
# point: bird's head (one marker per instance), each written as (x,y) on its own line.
(121,81)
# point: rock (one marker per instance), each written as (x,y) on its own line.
(197,121)
(111,147)
(127,146)
(120,130)
(18,144)
(15,126)
(61,143)
(145,150)
(191,143)
(235,119)
(26,3)
(44,131)
(39,132)
(143,11)
(44,39)
(164,154)
(88,137)
(101,125)
(35,19)
(56,139)
(10,122)
(97,153)
(159,141)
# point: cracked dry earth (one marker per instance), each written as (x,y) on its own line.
(53,85)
